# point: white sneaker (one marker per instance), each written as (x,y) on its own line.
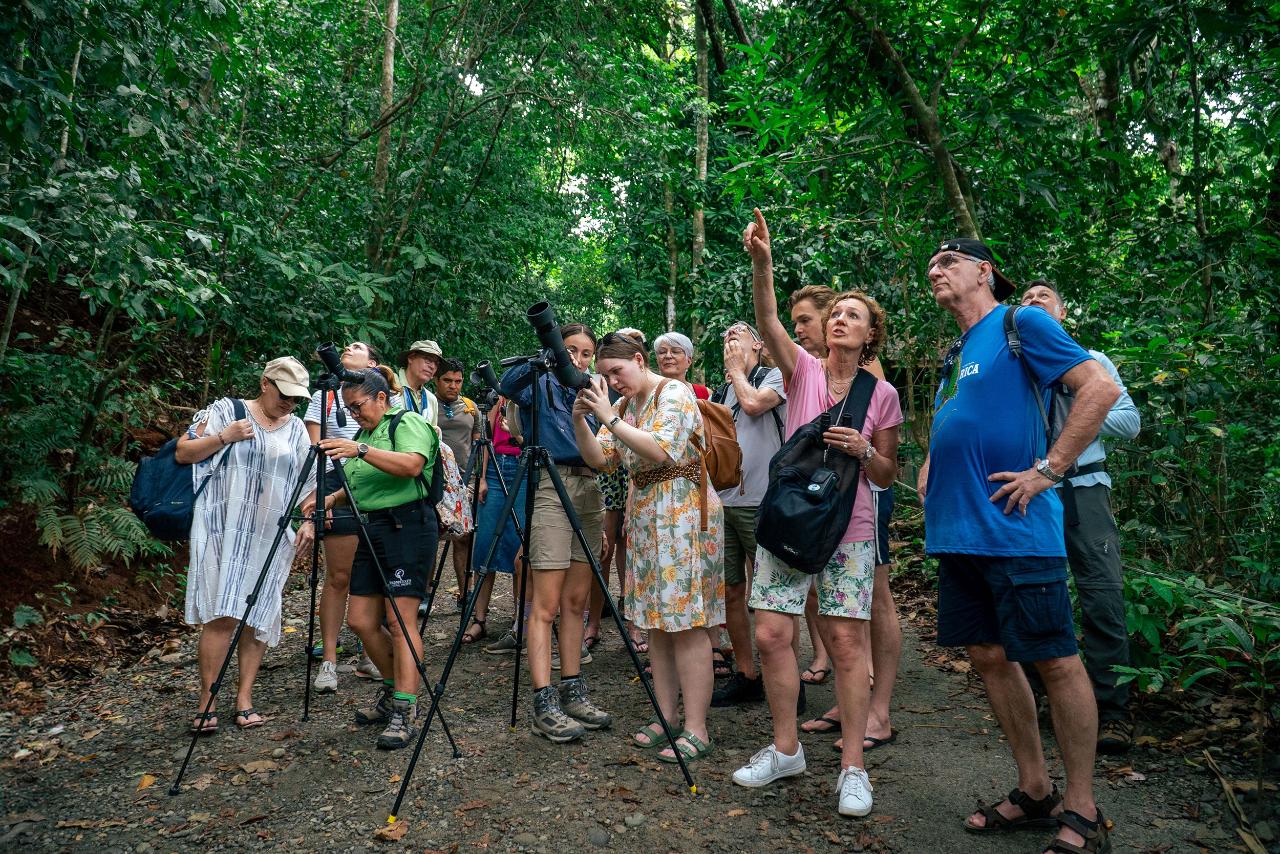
(854,789)
(769,764)
(327,679)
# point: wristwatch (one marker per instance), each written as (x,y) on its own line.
(868,453)
(1042,466)
(361,450)
(614,420)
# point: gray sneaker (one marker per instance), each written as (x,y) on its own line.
(505,645)
(327,679)
(400,730)
(379,711)
(577,705)
(549,721)
(555,657)
(366,669)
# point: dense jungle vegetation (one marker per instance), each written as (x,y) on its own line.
(188,189)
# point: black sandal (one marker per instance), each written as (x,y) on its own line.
(721,664)
(204,723)
(1097,835)
(1035,814)
(467,637)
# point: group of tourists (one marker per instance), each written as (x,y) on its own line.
(1013,486)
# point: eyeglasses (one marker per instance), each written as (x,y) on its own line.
(948,260)
(740,327)
(296,401)
(356,406)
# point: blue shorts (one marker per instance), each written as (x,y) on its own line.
(1020,603)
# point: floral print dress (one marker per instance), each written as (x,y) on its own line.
(675,570)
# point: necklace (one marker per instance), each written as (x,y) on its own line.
(262,418)
(834,383)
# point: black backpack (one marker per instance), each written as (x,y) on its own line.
(435,489)
(162,496)
(811,491)
(755,378)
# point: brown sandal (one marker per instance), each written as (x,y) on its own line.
(1097,835)
(467,637)
(1035,814)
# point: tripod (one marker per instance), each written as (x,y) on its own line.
(315,457)
(474,475)
(534,460)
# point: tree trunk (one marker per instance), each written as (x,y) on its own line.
(71,97)
(673,252)
(382,161)
(735,21)
(706,15)
(702,105)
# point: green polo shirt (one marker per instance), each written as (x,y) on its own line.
(373,488)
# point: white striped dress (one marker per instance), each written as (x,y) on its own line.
(236,520)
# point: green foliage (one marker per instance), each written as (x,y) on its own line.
(25,615)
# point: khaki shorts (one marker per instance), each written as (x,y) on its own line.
(739,543)
(552,543)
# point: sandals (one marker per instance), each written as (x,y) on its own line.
(1035,814)
(590,641)
(205,723)
(468,637)
(653,731)
(824,726)
(1096,834)
(694,748)
(245,714)
(723,668)
(816,675)
(870,742)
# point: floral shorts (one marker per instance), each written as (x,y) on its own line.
(844,587)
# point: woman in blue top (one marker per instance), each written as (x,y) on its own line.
(561,578)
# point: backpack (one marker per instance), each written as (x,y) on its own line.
(811,494)
(1014,339)
(162,496)
(446,491)
(755,379)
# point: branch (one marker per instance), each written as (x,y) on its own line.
(955,54)
(735,21)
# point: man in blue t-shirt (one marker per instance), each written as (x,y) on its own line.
(994,523)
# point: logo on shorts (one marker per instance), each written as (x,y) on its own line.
(400,580)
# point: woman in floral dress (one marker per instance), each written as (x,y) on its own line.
(675,569)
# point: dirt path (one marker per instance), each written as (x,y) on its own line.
(93,770)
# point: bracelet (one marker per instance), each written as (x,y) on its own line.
(221,441)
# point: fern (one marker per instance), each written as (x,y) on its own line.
(49,524)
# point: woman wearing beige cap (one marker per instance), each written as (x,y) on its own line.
(235,522)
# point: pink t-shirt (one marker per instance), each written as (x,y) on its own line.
(807,398)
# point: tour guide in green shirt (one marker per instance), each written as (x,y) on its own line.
(390,487)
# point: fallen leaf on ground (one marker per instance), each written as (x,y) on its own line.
(146,781)
(734,813)
(393,832)
(395,778)
(473,805)
(260,765)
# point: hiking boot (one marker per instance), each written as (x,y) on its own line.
(555,657)
(769,764)
(576,704)
(327,679)
(400,730)
(549,721)
(1115,736)
(366,669)
(505,645)
(739,689)
(379,711)
(854,790)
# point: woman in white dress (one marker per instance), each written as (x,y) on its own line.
(235,521)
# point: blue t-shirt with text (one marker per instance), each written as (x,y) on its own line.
(986,421)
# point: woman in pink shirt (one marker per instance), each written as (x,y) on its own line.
(855,327)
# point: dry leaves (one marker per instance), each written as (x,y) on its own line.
(734,813)
(392,832)
(147,781)
(260,766)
